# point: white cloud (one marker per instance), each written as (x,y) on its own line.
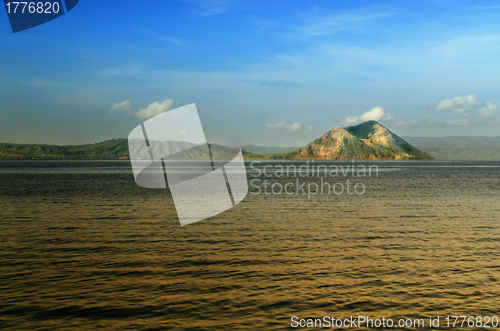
(351,120)
(120,107)
(470,105)
(280,124)
(487,110)
(155,108)
(374,114)
(459,104)
(294,127)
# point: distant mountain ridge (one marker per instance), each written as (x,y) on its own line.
(459,148)
(267,149)
(368,140)
(112,150)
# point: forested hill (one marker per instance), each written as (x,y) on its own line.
(109,149)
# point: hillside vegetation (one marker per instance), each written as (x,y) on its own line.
(109,149)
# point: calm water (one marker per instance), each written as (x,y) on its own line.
(82,247)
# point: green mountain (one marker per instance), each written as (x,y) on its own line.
(109,149)
(114,149)
(368,140)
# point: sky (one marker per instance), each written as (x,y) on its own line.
(272,73)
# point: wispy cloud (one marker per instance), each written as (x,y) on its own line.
(321,25)
(280,83)
(212,7)
(297,126)
(482,8)
(469,49)
(174,41)
(458,122)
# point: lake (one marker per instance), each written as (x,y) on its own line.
(83,247)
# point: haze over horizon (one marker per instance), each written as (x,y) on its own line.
(272,144)
(260,73)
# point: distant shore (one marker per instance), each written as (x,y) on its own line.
(442,149)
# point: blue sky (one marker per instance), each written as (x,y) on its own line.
(260,72)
